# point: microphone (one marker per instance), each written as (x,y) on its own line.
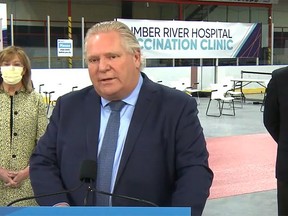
(88,171)
(88,174)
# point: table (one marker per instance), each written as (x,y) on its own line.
(241,82)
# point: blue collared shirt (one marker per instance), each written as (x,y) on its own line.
(125,119)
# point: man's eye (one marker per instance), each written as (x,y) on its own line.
(113,57)
(92,61)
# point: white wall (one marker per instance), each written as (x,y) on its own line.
(220,73)
(178,77)
(62,80)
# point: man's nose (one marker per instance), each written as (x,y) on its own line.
(104,64)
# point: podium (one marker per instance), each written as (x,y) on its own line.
(99,211)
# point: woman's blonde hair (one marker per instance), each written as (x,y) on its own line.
(8,53)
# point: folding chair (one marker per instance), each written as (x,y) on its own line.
(237,95)
(40,86)
(50,101)
(219,94)
(74,87)
(193,90)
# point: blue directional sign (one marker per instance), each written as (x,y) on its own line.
(64,47)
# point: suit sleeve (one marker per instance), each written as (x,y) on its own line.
(194,177)
(271,109)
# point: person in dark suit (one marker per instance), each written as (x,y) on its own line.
(161,152)
(276,122)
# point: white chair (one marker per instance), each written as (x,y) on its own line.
(236,94)
(193,90)
(219,94)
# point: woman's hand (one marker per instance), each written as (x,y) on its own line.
(7,177)
(14,178)
(20,176)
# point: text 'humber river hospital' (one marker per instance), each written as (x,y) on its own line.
(155,38)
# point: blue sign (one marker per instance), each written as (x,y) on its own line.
(64,47)
(99,211)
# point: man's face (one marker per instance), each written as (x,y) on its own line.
(113,71)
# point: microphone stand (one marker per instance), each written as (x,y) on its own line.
(126,197)
(44,195)
(89,190)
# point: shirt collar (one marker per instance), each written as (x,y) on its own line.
(132,98)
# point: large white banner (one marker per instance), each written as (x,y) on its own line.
(190,39)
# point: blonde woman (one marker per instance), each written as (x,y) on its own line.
(22,121)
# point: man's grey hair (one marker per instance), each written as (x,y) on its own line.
(129,40)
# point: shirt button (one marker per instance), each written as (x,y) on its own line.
(15,113)
(15,134)
(13,156)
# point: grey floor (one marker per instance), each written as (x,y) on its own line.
(248,120)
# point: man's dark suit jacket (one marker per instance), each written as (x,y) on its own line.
(276,118)
(164,161)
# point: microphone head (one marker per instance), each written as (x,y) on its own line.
(88,170)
